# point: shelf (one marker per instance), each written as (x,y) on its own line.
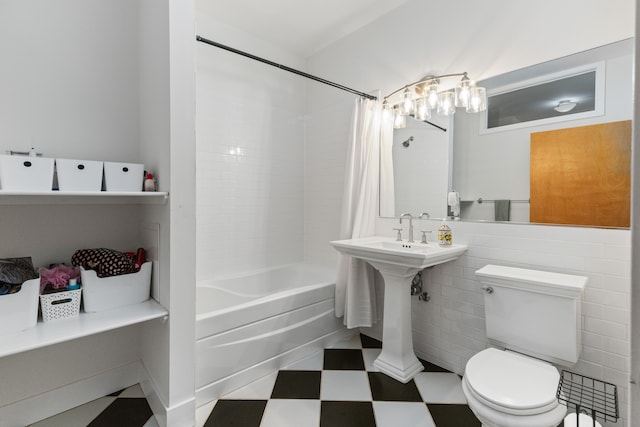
(588,395)
(57,331)
(10,197)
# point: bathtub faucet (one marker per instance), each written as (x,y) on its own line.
(408,215)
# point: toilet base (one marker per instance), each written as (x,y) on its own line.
(490,417)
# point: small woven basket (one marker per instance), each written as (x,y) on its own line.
(60,305)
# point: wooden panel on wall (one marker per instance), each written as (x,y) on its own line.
(582,175)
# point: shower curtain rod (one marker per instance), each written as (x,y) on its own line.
(298,72)
(285,68)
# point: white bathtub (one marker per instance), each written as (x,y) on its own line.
(248,326)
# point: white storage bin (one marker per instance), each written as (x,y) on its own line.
(79,175)
(60,305)
(19,311)
(123,176)
(116,291)
(23,173)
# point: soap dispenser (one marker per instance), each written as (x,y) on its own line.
(444,235)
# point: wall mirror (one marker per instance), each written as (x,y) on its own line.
(489,166)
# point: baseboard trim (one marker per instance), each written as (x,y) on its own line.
(47,404)
(182,414)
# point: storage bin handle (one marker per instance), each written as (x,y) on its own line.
(27,164)
(81,166)
(125,169)
(61,301)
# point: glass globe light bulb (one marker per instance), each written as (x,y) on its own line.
(407,107)
(422,109)
(463,91)
(477,100)
(431,94)
(446,103)
(399,119)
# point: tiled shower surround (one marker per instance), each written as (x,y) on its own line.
(249,163)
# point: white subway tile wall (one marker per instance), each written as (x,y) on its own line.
(449,329)
(249,165)
(325,158)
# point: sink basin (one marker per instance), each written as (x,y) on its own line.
(398,263)
(385,249)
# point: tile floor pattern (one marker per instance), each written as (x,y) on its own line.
(340,388)
(125,408)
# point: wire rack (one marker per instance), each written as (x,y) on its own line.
(588,395)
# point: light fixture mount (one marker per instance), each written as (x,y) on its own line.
(426,95)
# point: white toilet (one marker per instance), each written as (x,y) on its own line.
(535,316)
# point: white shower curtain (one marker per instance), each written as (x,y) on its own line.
(355,284)
(387,189)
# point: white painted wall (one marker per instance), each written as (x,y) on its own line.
(66,89)
(167,141)
(69,94)
(91,80)
(250,150)
(489,39)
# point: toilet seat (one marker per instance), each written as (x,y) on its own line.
(512,383)
(490,417)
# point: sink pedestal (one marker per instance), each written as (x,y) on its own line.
(398,262)
(397,358)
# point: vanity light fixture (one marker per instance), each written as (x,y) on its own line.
(565,106)
(422,109)
(431,93)
(407,106)
(446,103)
(463,91)
(399,119)
(422,97)
(477,99)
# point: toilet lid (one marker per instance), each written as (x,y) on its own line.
(512,381)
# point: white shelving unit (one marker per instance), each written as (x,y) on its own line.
(9,197)
(54,332)
(57,331)
(96,102)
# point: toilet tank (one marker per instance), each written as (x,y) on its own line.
(534,312)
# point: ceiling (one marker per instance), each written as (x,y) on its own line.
(301,27)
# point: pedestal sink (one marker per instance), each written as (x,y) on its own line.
(398,263)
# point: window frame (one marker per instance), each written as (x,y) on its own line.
(599,104)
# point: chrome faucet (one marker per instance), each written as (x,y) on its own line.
(408,215)
(424,232)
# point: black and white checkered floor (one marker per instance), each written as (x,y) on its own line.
(126,408)
(338,387)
